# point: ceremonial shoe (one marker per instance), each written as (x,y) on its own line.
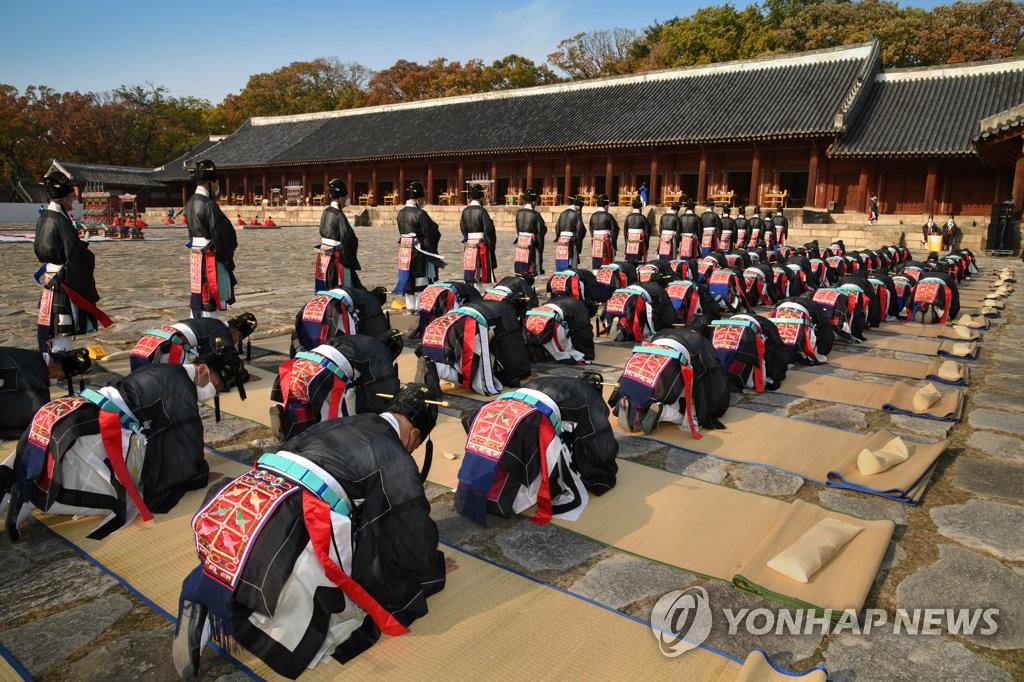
(187,648)
(651,419)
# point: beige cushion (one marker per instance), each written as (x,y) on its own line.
(886,457)
(962,332)
(950,371)
(926,396)
(813,549)
(962,350)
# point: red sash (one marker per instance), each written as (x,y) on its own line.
(110,432)
(317,517)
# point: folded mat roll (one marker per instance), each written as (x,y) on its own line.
(845,567)
(922,346)
(944,371)
(694,525)
(929,331)
(973,321)
(906,399)
(470,626)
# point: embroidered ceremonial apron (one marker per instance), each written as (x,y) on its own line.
(526,253)
(666,246)
(709,241)
(636,245)
(565,251)
(601,248)
(476,262)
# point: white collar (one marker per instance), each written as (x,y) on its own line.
(335,204)
(602,208)
(636,210)
(474,203)
(574,207)
(55,206)
(202,190)
(411,202)
(393,420)
(529,206)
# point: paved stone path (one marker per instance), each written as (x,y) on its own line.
(64,619)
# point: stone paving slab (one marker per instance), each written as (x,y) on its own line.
(885,657)
(765,481)
(990,526)
(545,548)
(43,642)
(864,506)
(143,656)
(990,479)
(61,582)
(621,580)
(705,468)
(836,416)
(965,579)
(1006,448)
(996,420)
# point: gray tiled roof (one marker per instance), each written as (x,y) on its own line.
(124,177)
(780,97)
(932,111)
(1001,122)
(176,170)
(32,193)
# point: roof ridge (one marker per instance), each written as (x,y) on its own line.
(846,52)
(952,70)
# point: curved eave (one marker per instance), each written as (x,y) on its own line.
(585,146)
(911,154)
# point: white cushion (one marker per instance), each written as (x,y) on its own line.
(950,371)
(962,332)
(889,455)
(813,549)
(926,396)
(962,350)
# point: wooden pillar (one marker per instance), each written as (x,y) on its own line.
(494,181)
(348,183)
(373,183)
(1018,183)
(265,190)
(755,178)
(824,189)
(568,178)
(245,186)
(930,183)
(430,184)
(652,191)
(227,188)
(401,182)
(461,185)
(529,172)
(862,188)
(702,173)
(305,188)
(184,191)
(812,177)
(326,201)
(608,171)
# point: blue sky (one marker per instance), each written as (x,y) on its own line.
(209,49)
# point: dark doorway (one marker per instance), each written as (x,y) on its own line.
(739,182)
(501,191)
(688,183)
(794,182)
(439,188)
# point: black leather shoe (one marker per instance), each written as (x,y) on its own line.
(187,648)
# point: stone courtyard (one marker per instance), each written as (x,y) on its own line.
(63,618)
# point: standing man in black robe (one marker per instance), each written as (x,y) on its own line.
(781,228)
(212,244)
(727,237)
(479,260)
(337,259)
(419,238)
(669,228)
(67,305)
(530,232)
(569,234)
(604,234)
(638,233)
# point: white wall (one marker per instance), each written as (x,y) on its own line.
(27,213)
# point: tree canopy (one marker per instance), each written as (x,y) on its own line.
(142,125)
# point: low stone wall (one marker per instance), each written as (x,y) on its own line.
(852,228)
